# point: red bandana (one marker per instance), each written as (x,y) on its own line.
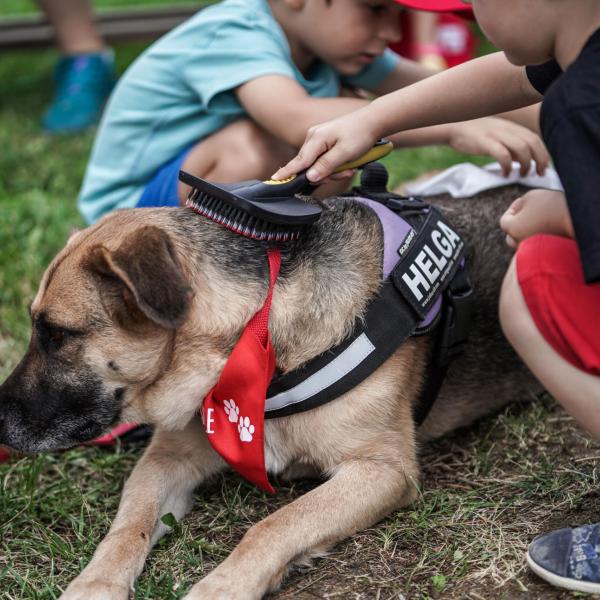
(233,412)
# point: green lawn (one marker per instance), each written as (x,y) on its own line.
(22,7)
(486,491)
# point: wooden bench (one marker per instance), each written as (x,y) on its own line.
(114,26)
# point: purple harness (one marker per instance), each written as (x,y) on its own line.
(395,232)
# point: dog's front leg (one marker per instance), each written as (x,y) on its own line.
(359,494)
(161,483)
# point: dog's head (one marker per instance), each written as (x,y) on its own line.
(103,321)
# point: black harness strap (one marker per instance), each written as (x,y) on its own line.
(450,340)
(387,324)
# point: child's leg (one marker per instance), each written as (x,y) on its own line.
(549,315)
(84,75)
(242,150)
(577,390)
(239,151)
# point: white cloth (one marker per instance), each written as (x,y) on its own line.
(466,179)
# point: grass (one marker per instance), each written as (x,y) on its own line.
(486,490)
(22,7)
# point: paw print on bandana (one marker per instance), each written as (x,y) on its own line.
(232,410)
(245,429)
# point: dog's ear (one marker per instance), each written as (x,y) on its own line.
(147,266)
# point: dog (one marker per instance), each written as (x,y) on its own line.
(134,320)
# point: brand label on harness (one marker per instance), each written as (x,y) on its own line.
(430,263)
(407,242)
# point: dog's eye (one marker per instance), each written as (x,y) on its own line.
(52,338)
(56,336)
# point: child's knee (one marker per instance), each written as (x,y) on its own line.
(251,146)
(258,150)
(241,150)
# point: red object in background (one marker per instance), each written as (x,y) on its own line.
(437,5)
(456,42)
(108,439)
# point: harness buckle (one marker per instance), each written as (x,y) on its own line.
(406,205)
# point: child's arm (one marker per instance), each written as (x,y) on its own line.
(527,117)
(500,139)
(485,86)
(408,72)
(488,85)
(284,108)
(489,136)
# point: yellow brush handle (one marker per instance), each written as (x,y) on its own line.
(379,150)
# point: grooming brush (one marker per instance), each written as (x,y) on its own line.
(266,210)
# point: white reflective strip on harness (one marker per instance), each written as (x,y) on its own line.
(349,359)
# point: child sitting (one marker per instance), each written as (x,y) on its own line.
(229,95)
(550,297)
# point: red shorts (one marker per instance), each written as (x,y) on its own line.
(565,310)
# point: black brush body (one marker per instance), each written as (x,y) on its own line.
(265,210)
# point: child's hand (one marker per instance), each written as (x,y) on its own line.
(329,145)
(537,211)
(501,139)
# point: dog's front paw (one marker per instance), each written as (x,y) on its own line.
(95,589)
(221,587)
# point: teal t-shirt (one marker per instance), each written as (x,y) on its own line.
(181,89)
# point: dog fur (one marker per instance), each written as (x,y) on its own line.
(134,320)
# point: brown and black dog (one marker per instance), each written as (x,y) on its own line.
(134,320)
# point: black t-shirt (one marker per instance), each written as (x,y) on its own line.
(570,124)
